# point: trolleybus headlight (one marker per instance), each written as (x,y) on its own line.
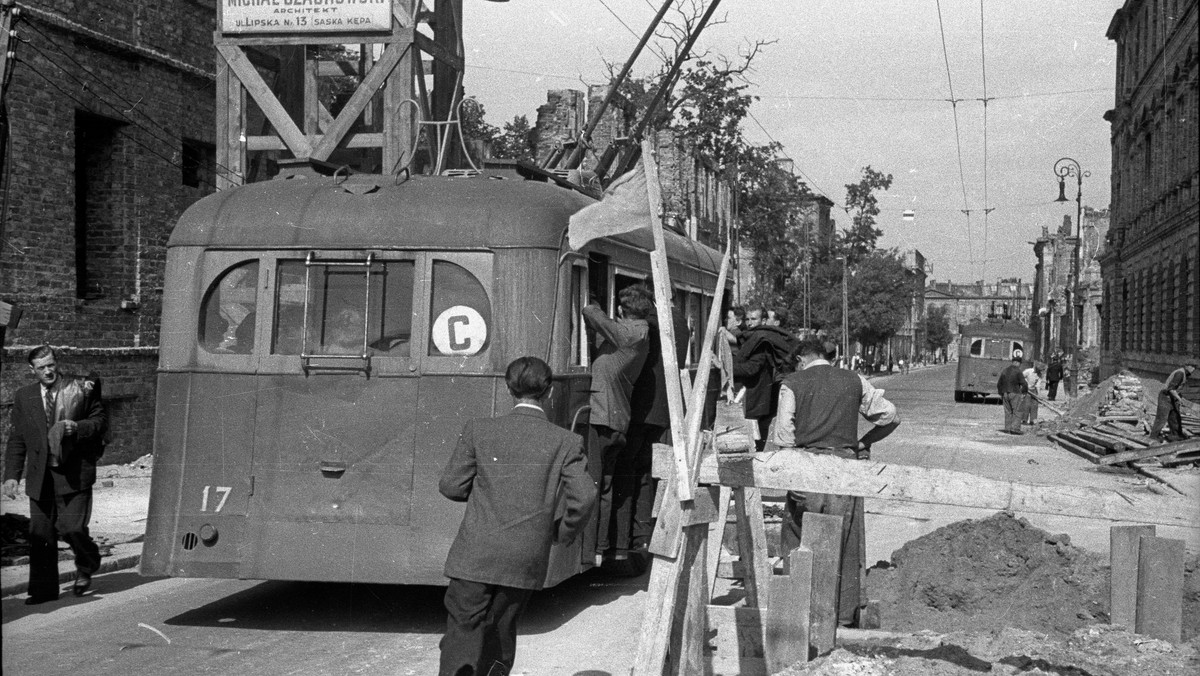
(208,534)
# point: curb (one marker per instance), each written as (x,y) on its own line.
(109,565)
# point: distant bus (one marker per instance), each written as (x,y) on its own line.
(984,349)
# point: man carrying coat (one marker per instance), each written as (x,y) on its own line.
(526,485)
(58,427)
(765,351)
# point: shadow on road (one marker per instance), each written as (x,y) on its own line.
(14,607)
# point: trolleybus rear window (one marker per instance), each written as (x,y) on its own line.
(346,315)
(229,309)
(460,313)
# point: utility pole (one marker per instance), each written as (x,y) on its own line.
(845,309)
(8,15)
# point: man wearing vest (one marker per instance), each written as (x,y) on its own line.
(818,412)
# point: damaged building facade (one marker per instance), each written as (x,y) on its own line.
(1150,262)
(110,122)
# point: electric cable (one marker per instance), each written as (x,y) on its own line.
(634,33)
(798,168)
(957,136)
(983,66)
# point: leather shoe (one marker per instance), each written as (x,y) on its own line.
(34,600)
(82,583)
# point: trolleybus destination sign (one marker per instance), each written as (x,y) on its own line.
(305,16)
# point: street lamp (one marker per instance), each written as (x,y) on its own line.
(845,311)
(1062,169)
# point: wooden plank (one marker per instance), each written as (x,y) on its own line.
(1090,446)
(716,535)
(787,634)
(1190,445)
(399,119)
(312,100)
(752,544)
(438,52)
(271,142)
(692,619)
(224,149)
(1160,588)
(266,100)
(358,100)
(1075,448)
(822,535)
(661,274)
(705,508)
(1124,542)
(790,469)
(661,593)
(738,641)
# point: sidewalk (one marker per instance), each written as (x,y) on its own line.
(120,502)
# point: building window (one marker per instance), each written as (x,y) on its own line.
(99,207)
(199,164)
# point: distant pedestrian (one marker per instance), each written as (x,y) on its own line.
(58,427)
(526,485)
(1012,388)
(1054,374)
(1168,404)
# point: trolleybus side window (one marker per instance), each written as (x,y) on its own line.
(228,311)
(579,341)
(460,312)
(339,307)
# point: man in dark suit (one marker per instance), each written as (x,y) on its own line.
(58,427)
(526,485)
(1013,390)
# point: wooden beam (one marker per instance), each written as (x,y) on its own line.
(271,142)
(691,620)
(401,35)
(358,101)
(789,613)
(752,545)
(1187,446)
(716,535)
(266,100)
(1160,589)
(821,534)
(661,594)
(1124,542)
(792,469)
(438,52)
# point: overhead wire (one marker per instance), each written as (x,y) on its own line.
(798,168)
(983,66)
(957,136)
(167,137)
(84,106)
(632,32)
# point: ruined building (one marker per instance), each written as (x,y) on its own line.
(1150,263)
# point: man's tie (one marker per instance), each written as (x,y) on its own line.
(49,408)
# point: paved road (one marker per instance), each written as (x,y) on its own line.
(588,626)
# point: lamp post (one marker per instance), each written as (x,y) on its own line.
(845,311)
(1064,168)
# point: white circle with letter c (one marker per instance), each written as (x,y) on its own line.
(459,331)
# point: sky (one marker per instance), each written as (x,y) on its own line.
(851,83)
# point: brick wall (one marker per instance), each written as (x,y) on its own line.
(104,92)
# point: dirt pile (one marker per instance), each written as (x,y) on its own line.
(1096,650)
(995,572)
(141,467)
(1122,394)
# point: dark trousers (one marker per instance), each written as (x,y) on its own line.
(481,628)
(633,491)
(1167,414)
(1052,386)
(764,428)
(51,517)
(1013,411)
(852,566)
(609,445)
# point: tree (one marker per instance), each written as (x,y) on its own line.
(937,328)
(474,127)
(516,141)
(880,294)
(862,235)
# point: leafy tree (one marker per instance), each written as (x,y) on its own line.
(937,328)
(769,199)
(516,141)
(860,238)
(474,126)
(880,294)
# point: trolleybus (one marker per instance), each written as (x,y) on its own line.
(325,338)
(985,348)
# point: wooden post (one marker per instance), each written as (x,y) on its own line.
(1124,542)
(752,545)
(691,619)
(822,534)
(716,536)
(1160,588)
(661,274)
(788,613)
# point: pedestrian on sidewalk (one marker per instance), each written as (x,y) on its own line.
(1012,388)
(526,485)
(764,353)
(819,407)
(1054,373)
(1167,412)
(58,427)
